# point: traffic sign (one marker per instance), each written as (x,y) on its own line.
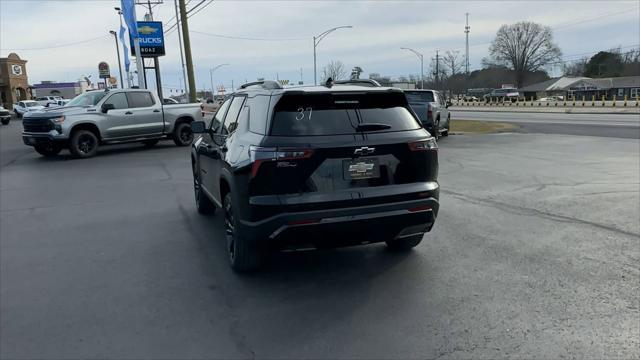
(103,70)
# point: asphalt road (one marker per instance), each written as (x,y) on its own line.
(607,125)
(536,253)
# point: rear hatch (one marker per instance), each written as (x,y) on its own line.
(349,149)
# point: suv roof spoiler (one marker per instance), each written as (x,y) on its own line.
(266,84)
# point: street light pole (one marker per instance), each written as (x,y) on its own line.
(118,52)
(211,70)
(316,41)
(421,57)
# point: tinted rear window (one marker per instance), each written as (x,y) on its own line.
(140,99)
(336,114)
(419,96)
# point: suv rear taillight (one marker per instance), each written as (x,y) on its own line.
(429,112)
(429,144)
(260,155)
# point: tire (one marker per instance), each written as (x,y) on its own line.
(436,129)
(203,203)
(182,134)
(83,144)
(244,254)
(446,132)
(17,114)
(48,149)
(404,244)
(150,143)
(5,121)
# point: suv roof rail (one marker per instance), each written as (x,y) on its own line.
(265,84)
(358,82)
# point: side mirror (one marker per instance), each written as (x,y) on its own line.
(198,127)
(106,107)
(449,103)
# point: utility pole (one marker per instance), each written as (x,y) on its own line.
(437,70)
(184,74)
(466,54)
(115,36)
(187,50)
(156,62)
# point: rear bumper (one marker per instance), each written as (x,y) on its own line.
(346,226)
(5,116)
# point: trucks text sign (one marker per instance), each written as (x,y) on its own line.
(151,39)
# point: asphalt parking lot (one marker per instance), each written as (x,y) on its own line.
(536,253)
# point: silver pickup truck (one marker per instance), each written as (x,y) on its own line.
(98,118)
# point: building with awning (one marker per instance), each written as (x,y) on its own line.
(569,87)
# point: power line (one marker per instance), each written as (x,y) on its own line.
(247,38)
(189,14)
(58,46)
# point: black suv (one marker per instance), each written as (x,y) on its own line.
(318,166)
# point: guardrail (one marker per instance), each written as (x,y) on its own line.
(573,102)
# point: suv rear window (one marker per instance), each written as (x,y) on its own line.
(338,114)
(419,96)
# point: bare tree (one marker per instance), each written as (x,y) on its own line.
(524,47)
(576,68)
(334,70)
(453,62)
(355,72)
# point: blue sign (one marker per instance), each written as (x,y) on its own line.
(151,39)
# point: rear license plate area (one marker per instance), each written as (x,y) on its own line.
(361,168)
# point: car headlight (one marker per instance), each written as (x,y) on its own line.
(58,120)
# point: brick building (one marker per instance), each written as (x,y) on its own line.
(14,85)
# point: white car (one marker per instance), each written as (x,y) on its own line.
(5,116)
(57,103)
(46,100)
(24,106)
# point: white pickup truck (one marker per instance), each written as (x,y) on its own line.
(24,106)
(98,118)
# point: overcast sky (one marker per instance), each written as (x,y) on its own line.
(38,31)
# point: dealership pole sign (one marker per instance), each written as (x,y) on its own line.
(151,39)
(103,70)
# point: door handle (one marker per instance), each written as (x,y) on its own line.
(128,113)
(156,110)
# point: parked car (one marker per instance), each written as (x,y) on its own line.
(46,100)
(551,98)
(24,106)
(315,166)
(432,110)
(5,116)
(108,117)
(58,103)
(502,95)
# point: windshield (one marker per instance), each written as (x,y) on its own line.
(419,96)
(87,99)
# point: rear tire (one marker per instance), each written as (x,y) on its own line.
(435,130)
(244,254)
(83,144)
(182,135)
(48,149)
(6,121)
(404,244)
(150,143)
(446,131)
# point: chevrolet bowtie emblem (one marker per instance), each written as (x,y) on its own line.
(364,151)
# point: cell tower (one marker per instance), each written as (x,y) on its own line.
(466,55)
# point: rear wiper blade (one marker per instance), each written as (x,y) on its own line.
(372,127)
